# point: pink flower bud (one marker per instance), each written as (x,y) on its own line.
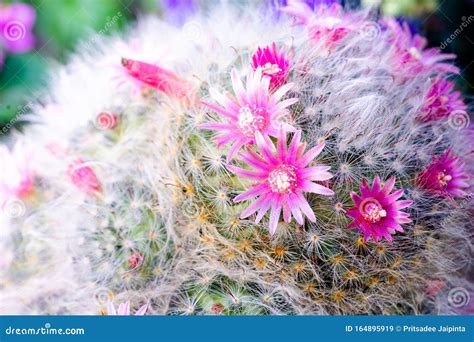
(217,308)
(156,77)
(135,260)
(83,176)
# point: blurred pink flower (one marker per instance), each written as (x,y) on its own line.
(273,63)
(281,177)
(441,101)
(434,286)
(217,308)
(410,56)
(16,177)
(377,212)
(445,176)
(324,24)
(16,23)
(124,309)
(83,176)
(254,109)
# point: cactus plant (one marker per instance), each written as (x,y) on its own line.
(158,180)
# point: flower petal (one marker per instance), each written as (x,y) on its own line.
(305,208)
(253,207)
(247,173)
(295,210)
(309,186)
(235,148)
(309,156)
(388,186)
(111,309)
(219,110)
(265,205)
(142,310)
(274,218)
(255,191)
(280,92)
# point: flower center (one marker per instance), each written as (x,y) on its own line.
(415,53)
(251,120)
(443,179)
(372,210)
(282,179)
(270,69)
(443,99)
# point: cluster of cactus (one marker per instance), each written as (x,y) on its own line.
(132,199)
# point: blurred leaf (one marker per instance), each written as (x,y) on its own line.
(62,23)
(20,77)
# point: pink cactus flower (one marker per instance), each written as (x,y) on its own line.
(445,176)
(83,176)
(254,109)
(441,101)
(17,176)
(325,24)
(135,260)
(156,77)
(410,57)
(273,63)
(281,177)
(217,308)
(299,10)
(124,310)
(377,212)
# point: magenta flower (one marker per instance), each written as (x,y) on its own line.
(254,109)
(445,176)
(377,212)
(273,64)
(327,23)
(17,176)
(124,309)
(16,23)
(281,176)
(441,101)
(410,56)
(83,176)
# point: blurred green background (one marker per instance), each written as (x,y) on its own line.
(60,24)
